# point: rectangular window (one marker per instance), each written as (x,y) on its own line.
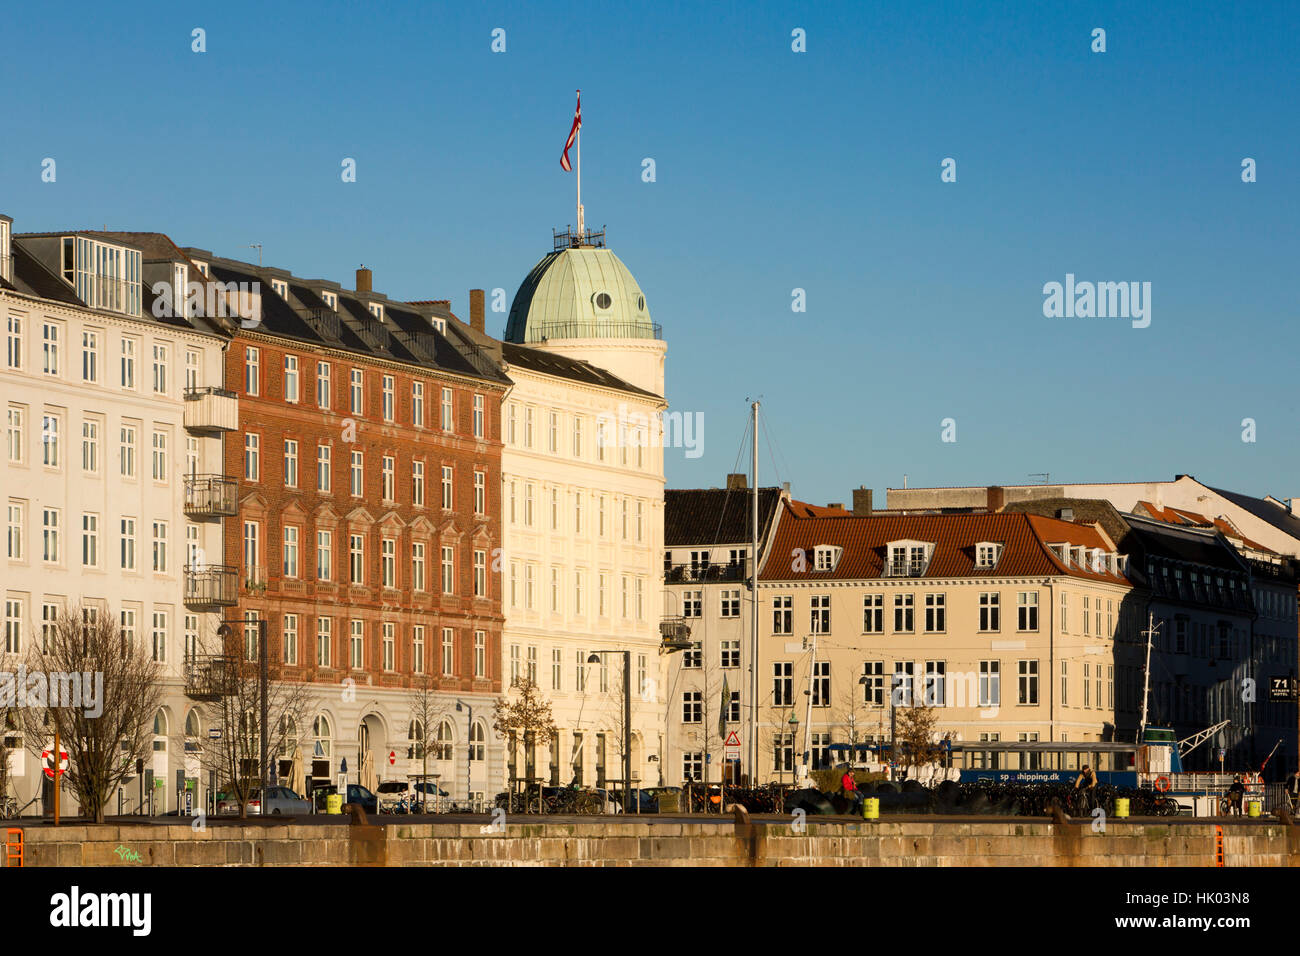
(480,574)
(990,687)
(323,475)
(324,638)
(903,682)
(15,441)
(90,447)
(160,358)
(159,458)
(356,559)
(446,411)
(873,684)
(447,476)
(388,562)
(417,483)
(289,639)
(324,555)
(417,649)
(323,385)
(356,475)
(356,392)
(159,637)
(692,707)
(1027,678)
(990,608)
(783,614)
(730,653)
(821,684)
(14,342)
(128,544)
(417,566)
(730,602)
(480,654)
(693,656)
(90,356)
(873,614)
(357,644)
(51,527)
(252,456)
(1027,610)
(252,370)
(16,533)
(388,478)
(577,436)
(479,417)
(904,610)
(51,441)
(50,336)
(417,404)
(821,614)
(290,463)
(390,646)
(782,684)
(480,493)
(935,613)
(291,379)
(528,426)
(557,659)
(89,541)
(1065,683)
(448,651)
(13,626)
(290,551)
(388,397)
(448,571)
(160,547)
(935,690)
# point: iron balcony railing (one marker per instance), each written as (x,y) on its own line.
(593,329)
(324,322)
(211,410)
(212,585)
(211,496)
(572,239)
(691,573)
(675,632)
(209,677)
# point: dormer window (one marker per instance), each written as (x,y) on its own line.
(330,299)
(106,276)
(908,559)
(440,325)
(377,310)
(280,287)
(987,554)
(826,557)
(202,267)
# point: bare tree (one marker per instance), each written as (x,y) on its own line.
(233,687)
(424,710)
(111,726)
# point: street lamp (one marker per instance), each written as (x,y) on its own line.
(794,733)
(594,658)
(469,751)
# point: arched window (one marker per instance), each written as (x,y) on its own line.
(415,734)
(477,738)
(322,737)
(289,736)
(193,730)
(444,745)
(160,732)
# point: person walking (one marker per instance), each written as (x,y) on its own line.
(1236,793)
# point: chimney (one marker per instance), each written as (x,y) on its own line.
(737,482)
(862,500)
(997,498)
(476,310)
(1065,514)
(835,505)
(363,279)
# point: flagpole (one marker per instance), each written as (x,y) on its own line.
(577,145)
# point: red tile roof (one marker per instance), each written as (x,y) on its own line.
(805,510)
(1024,539)
(1183,517)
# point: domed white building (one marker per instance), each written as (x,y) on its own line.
(582,514)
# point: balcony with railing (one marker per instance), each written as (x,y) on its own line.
(209,677)
(210,586)
(211,496)
(697,573)
(211,410)
(675,632)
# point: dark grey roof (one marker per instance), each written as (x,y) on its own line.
(33,278)
(548,363)
(709,516)
(1266,511)
(1159,539)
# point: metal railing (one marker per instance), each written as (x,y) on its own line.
(212,585)
(211,496)
(572,239)
(593,329)
(194,393)
(209,677)
(690,573)
(324,322)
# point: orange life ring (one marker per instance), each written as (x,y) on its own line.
(1163,784)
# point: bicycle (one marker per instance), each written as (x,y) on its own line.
(9,809)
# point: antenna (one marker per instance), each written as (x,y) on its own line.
(258,247)
(1047,478)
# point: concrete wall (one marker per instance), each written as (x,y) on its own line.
(903,843)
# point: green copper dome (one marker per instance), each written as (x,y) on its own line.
(581,292)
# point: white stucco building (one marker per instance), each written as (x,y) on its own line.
(112,482)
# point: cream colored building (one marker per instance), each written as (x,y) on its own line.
(112,476)
(583,485)
(1017,627)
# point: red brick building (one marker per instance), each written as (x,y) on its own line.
(368,458)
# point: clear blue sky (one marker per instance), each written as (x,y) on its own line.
(775,170)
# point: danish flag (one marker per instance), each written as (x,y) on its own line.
(573,134)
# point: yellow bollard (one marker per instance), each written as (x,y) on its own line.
(333,803)
(871,808)
(1253,808)
(1121,806)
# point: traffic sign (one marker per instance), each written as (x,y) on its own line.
(733,739)
(47,759)
(392,757)
(214,733)
(733,755)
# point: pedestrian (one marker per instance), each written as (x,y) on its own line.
(1236,793)
(1086,782)
(849,788)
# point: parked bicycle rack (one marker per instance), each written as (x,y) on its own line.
(14,847)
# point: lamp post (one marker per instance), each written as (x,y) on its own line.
(469,751)
(794,733)
(594,658)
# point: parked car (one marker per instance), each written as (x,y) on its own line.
(277,801)
(356,794)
